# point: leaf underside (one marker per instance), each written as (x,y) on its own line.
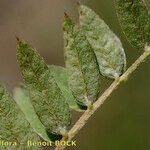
(106,45)
(60,75)
(46,97)
(22,98)
(135,21)
(13,125)
(82,68)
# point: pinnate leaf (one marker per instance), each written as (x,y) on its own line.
(106,45)
(135,21)
(82,68)
(46,96)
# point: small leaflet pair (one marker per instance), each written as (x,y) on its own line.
(94,35)
(91,49)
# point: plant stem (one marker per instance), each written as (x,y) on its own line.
(88,113)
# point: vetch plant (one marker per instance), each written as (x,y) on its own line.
(42,105)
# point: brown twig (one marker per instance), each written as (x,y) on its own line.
(87,114)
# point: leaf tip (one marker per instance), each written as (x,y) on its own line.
(68,23)
(78,3)
(66,15)
(18,39)
(81,9)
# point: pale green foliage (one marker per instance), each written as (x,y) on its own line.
(82,68)
(60,75)
(106,45)
(91,49)
(13,125)
(135,21)
(46,96)
(21,96)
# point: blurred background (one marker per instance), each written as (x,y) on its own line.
(123,122)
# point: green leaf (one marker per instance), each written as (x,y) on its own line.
(13,125)
(82,68)
(22,98)
(46,97)
(107,46)
(60,75)
(135,21)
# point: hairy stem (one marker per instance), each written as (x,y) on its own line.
(87,114)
